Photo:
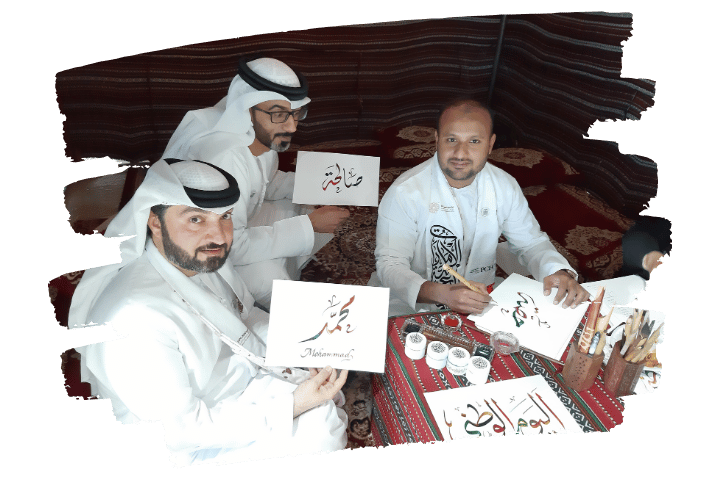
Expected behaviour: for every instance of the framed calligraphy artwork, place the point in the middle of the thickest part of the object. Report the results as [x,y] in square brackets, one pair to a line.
[323,178]
[524,311]
[318,324]
[522,406]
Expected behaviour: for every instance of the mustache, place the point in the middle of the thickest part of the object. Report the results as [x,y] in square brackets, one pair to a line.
[286,135]
[213,246]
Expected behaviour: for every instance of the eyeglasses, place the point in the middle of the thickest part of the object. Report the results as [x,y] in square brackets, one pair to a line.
[281,116]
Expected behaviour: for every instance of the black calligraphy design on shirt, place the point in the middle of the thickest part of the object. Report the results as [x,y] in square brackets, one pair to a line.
[444,248]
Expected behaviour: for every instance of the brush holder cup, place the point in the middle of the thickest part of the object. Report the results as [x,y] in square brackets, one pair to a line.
[621,376]
[580,369]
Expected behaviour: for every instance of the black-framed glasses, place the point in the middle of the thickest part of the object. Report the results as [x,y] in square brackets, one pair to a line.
[281,116]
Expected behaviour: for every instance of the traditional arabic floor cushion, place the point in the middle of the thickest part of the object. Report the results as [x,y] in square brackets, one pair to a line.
[91,201]
[584,229]
[401,413]
[406,146]
[534,167]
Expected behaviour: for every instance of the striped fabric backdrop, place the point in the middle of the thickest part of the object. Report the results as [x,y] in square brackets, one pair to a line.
[557,74]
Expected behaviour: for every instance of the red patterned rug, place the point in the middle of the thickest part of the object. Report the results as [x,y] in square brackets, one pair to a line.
[401,413]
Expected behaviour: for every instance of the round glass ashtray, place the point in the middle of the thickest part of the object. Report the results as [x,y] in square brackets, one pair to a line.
[504,343]
[451,321]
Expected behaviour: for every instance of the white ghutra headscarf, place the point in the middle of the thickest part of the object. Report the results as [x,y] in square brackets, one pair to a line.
[191,183]
[271,80]
[165,184]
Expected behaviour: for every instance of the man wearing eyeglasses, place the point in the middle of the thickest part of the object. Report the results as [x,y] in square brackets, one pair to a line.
[242,134]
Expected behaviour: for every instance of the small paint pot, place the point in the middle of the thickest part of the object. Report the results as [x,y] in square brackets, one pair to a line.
[436,355]
[415,344]
[478,370]
[457,361]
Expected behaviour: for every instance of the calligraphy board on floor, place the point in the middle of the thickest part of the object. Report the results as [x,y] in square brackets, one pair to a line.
[318,324]
[524,311]
[522,406]
[323,178]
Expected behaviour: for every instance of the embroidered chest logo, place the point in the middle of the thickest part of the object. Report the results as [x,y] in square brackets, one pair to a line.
[434,207]
[444,248]
[237,304]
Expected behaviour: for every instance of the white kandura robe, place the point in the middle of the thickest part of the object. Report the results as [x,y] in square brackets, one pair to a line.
[420,199]
[271,240]
[170,367]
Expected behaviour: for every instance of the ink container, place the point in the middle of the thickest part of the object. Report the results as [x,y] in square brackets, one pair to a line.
[478,370]
[457,360]
[415,344]
[436,355]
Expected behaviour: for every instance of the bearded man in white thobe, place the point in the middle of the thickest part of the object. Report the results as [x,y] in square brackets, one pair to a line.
[189,350]
[242,134]
[451,210]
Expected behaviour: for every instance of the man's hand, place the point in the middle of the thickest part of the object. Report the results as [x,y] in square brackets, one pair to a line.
[318,389]
[458,297]
[326,219]
[566,285]
[652,260]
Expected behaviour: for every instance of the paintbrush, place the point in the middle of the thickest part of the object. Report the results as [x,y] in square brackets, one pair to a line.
[590,322]
[631,329]
[469,285]
[649,344]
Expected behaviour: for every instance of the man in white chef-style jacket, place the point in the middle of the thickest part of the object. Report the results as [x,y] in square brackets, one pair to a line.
[189,350]
[451,210]
[242,134]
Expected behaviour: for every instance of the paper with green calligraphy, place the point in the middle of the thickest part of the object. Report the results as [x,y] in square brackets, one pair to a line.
[522,406]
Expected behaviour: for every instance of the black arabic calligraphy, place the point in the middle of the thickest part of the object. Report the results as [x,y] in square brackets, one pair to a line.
[334,177]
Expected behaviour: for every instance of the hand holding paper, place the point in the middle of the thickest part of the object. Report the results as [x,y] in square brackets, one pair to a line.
[326,219]
[323,386]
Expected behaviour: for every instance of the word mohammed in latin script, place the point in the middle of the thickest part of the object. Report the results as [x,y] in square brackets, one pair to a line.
[311,352]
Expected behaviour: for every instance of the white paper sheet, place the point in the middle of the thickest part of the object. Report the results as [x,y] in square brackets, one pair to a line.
[323,178]
[525,312]
[318,324]
[523,406]
[618,291]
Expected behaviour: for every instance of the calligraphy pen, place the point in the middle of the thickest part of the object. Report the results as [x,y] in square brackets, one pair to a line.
[452,272]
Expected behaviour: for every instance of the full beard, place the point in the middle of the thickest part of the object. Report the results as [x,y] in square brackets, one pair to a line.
[182,259]
[460,176]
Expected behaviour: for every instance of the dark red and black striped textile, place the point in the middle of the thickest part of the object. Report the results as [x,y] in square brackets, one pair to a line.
[556,75]
[401,413]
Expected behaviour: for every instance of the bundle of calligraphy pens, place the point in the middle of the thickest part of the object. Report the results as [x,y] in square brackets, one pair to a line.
[629,354]
[637,341]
